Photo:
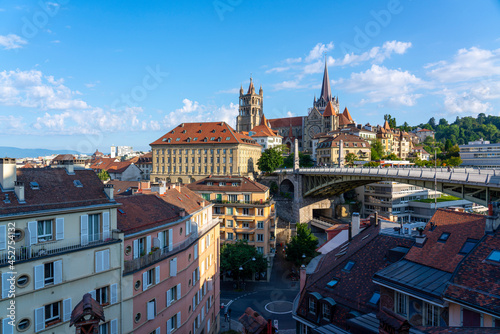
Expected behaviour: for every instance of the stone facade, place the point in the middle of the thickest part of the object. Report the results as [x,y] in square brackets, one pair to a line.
[250,109]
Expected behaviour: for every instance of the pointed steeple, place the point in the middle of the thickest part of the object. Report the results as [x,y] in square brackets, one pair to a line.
[387,126]
[251,88]
[347,114]
[330,110]
[241,90]
[261,91]
[326,92]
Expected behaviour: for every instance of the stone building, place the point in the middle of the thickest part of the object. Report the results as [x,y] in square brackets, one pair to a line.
[250,109]
[328,149]
[193,151]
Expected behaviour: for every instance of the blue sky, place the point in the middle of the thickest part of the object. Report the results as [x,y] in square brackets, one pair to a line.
[88,74]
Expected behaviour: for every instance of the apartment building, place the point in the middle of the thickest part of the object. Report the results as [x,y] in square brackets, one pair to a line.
[396,141]
[264,136]
[245,209]
[480,153]
[192,151]
[329,149]
[171,262]
[63,223]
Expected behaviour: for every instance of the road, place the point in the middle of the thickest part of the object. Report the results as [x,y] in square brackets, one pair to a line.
[273,299]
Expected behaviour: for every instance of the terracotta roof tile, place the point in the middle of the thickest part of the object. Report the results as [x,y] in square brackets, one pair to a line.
[244,184]
[329,111]
[285,122]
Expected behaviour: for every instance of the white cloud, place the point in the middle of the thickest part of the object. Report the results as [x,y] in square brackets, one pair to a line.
[377,54]
[293,60]
[318,50]
[467,64]
[290,84]
[395,87]
[12,41]
[464,103]
[189,106]
[277,70]
[229,91]
[11,123]
[290,114]
[56,41]
[33,89]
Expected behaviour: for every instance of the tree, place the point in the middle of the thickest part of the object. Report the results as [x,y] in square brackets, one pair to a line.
[448,145]
[304,243]
[305,160]
[390,120]
[432,122]
[372,164]
[240,254]
[453,161]
[391,156]
[103,175]
[270,159]
[350,158]
[377,150]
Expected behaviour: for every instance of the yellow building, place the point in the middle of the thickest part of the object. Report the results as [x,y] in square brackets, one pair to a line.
[328,148]
[61,223]
[192,151]
[245,210]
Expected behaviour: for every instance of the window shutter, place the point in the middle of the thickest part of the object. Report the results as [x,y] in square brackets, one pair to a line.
[114,293]
[179,294]
[194,302]
[170,240]
[105,258]
[173,267]
[151,310]
[98,262]
[178,320]
[169,297]
[202,268]
[208,326]
[161,238]
[39,319]
[32,229]
[195,251]
[93,293]
[158,331]
[113,324]
[202,245]
[157,274]
[39,277]
[136,249]
[67,309]
[208,240]
[3,237]
[148,244]
[58,272]
[169,326]
[144,281]
[105,226]
[5,285]
[202,313]
[6,327]
[59,228]
[84,229]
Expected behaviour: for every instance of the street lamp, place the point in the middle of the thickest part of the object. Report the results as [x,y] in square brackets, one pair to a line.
[241,266]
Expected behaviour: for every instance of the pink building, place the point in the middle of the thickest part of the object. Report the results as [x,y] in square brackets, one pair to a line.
[170,271]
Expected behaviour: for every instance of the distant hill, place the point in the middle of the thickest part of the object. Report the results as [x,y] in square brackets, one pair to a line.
[14,152]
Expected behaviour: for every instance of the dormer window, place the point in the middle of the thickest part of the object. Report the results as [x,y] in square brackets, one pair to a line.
[468,246]
[213,131]
[164,139]
[169,140]
[177,139]
[444,237]
[183,131]
[222,184]
[312,305]
[228,138]
[195,138]
[326,311]
[34,185]
[77,183]
[209,183]
[212,138]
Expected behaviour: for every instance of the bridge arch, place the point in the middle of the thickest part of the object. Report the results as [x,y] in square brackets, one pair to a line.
[287,187]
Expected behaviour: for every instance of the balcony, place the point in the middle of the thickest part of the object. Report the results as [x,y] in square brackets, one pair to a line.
[160,254]
[242,202]
[51,248]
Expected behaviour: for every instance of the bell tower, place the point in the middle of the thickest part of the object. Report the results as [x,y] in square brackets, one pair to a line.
[250,108]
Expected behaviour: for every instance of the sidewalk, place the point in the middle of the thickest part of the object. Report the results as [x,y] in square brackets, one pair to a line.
[234,324]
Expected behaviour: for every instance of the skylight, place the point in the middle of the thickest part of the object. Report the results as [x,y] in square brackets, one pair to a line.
[77,183]
[444,237]
[494,256]
[121,211]
[34,185]
[332,283]
[228,138]
[468,245]
[375,298]
[349,265]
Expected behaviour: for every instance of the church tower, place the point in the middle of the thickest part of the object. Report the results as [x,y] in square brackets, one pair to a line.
[326,94]
[250,109]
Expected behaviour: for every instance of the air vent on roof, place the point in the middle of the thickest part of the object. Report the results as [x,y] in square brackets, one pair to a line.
[34,185]
[183,131]
[77,183]
[228,138]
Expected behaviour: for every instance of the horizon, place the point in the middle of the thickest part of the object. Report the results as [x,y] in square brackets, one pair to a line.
[84,76]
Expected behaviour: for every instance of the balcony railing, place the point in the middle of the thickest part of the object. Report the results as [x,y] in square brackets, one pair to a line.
[157,255]
[53,247]
[263,202]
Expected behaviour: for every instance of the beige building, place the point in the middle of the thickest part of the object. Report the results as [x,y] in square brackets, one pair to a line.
[328,149]
[265,136]
[63,223]
[395,141]
[245,210]
[192,151]
[250,110]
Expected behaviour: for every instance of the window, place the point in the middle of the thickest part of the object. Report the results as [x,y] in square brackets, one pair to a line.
[260,250]
[431,315]
[52,313]
[332,283]
[44,230]
[468,245]
[149,277]
[230,236]
[247,198]
[93,227]
[229,223]
[260,237]
[174,322]
[260,212]
[206,196]
[245,212]
[471,318]
[151,308]
[245,237]
[260,225]
[349,266]
[375,298]
[48,273]
[104,328]
[245,225]
[312,305]
[444,237]
[101,295]
[23,324]
[494,256]
[401,304]
[326,311]
[232,198]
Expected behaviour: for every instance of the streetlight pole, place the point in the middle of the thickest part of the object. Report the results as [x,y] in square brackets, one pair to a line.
[241,266]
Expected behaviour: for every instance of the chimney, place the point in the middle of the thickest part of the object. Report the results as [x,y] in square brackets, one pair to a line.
[374,219]
[70,169]
[492,220]
[7,173]
[355,222]
[19,190]
[182,212]
[303,277]
[109,191]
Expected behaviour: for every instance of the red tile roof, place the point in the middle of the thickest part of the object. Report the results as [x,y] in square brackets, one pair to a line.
[124,187]
[329,111]
[111,165]
[244,184]
[445,255]
[204,133]
[347,114]
[263,130]
[285,122]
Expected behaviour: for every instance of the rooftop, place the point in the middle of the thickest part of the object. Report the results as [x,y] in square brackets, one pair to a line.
[236,184]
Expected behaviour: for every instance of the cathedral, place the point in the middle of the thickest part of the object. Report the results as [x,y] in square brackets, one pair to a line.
[323,117]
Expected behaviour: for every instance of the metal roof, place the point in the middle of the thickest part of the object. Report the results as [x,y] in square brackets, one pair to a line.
[423,281]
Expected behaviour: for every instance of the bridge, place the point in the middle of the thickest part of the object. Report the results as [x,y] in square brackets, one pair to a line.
[313,186]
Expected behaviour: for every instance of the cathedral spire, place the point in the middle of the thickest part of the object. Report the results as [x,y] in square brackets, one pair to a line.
[326,92]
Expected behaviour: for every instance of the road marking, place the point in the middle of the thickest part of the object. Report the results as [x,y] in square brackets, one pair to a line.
[228,304]
[281,301]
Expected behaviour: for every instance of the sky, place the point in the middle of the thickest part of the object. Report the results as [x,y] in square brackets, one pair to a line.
[85,75]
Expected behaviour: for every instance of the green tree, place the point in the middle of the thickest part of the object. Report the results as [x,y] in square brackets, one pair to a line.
[377,150]
[103,175]
[372,164]
[453,161]
[448,145]
[305,160]
[350,158]
[304,243]
[390,120]
[270,159]
[432,122]
[391,156]
[239,255]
